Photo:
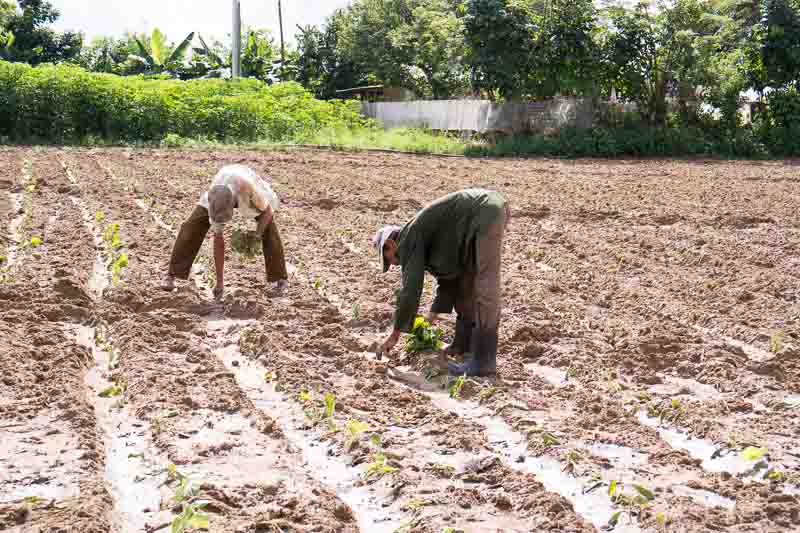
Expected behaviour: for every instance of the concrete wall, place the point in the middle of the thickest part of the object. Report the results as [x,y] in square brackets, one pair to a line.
[483,115]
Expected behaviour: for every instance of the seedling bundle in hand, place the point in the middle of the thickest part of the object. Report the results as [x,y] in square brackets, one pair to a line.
[423,337]
[245,241]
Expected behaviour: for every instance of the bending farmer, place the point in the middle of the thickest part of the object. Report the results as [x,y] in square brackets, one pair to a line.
[459,240]
[235,186]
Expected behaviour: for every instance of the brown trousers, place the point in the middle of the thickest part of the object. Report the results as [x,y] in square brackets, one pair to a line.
[481,296]
[193,232]
[477,293]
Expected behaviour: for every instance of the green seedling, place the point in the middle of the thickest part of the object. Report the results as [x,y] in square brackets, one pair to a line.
[36,241]
[443,471]
[661,519]
[191,517]
[356,311]
[116,267]
[305,396]
[416,504]
[752,453]
[423,337]
[378,468]
[245,242]
[111,236]
[317,284]
[113,360]
[353,430]
[330,405]
[269,377]
[776,342]
[455,387]
[487,392]
[548,439]
[99,216]
[114,390]
[573,459]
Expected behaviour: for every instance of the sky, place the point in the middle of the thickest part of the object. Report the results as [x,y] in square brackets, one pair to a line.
[177,18]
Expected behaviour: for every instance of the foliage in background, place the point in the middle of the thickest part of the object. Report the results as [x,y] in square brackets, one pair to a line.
[156,55]
[33,41]
[68,104]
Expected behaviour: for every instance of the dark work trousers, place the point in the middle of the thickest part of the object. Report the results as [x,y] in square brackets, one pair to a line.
[193,232]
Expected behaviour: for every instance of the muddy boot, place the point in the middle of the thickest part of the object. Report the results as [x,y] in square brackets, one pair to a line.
[461,341]
[484,355]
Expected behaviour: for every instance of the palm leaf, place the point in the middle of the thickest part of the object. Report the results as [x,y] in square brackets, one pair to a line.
[180,51]
[209,53]
[145,54]
[159,45]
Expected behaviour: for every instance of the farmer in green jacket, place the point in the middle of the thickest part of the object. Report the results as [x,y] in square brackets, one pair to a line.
[459,240]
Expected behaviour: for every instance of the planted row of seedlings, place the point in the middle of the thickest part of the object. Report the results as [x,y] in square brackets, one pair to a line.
[309,397]
[607,412]
[207,458]
[52,451]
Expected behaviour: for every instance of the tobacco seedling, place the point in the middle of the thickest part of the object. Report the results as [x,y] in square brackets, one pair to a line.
[378,468]
[353,429]
[423,337]
[751,453]
[455,387]
[114,390]
[443,471]
[99,216]
[356,311]
[36,241]
[776,342]
[548,439]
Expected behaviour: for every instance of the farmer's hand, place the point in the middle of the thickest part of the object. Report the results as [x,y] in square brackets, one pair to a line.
[389,343]
[219,291]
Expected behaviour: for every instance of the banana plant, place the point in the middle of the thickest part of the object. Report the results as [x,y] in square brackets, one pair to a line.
[160,57]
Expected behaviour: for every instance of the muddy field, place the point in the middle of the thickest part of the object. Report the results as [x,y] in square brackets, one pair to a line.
[649,366]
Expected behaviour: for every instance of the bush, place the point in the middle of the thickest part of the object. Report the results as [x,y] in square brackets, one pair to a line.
[64,103]
[779,129]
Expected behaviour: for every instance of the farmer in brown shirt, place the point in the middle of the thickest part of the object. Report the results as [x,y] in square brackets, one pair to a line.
[234,187]
[459,240]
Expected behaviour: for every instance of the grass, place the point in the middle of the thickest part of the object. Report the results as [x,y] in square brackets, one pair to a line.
[402,139]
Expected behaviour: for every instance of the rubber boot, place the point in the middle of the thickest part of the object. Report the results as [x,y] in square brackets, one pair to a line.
[461,342]
[484,355]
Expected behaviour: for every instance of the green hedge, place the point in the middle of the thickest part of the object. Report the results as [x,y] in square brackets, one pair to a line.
[64,103]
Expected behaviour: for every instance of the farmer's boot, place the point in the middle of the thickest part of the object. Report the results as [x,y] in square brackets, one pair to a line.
[484,355]
[461,341]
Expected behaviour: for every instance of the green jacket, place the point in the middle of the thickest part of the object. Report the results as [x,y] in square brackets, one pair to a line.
[441,240]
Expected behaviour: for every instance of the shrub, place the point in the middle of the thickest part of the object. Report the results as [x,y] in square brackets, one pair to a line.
[64,103]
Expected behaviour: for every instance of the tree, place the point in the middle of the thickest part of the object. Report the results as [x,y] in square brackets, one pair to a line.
[323,65]
[33,42]
[778,33]
[566,56]
[157,55]
[654,53]
[501,36]
[432,40]
[6,12]
[258,54]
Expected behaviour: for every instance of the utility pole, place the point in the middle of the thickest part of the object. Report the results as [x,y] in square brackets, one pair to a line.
[236,63]
[283,52]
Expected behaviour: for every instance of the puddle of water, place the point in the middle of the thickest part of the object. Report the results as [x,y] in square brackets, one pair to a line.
[753,353]
[511,446]
[673,386]
[704,497]
[554,376]
[132,467]
[699,449]
[40,457]
[366,501]
[100,279]
[621,456]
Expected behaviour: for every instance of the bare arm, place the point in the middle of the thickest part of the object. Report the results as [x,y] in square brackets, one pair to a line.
[219,258]
[264,220]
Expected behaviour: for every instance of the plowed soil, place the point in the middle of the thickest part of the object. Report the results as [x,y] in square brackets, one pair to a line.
[648,371]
